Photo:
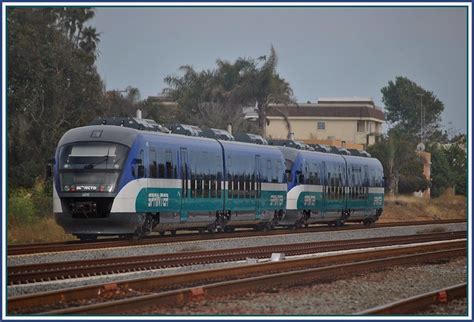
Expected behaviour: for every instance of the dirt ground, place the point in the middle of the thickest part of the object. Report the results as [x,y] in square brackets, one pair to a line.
[411,208]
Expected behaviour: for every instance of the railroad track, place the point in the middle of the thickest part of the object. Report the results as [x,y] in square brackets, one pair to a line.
[72,269]
[420,302]
[24,249]
[139,295]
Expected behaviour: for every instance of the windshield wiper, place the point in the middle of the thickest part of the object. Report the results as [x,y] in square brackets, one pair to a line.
[93,164]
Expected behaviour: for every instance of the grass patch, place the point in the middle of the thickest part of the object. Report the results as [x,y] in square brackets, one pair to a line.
[30,216]
[41,231]
[410,208]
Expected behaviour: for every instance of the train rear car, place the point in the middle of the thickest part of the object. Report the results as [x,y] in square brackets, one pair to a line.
[316,184]
[365,189]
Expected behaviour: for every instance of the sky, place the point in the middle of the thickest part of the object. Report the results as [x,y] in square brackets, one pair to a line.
[322,52]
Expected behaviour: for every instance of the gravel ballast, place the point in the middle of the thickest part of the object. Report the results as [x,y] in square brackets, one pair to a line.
[215,244]
[342,297]
[16,290]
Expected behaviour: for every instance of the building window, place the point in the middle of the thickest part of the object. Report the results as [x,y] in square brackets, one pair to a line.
[360,126]
[321,125]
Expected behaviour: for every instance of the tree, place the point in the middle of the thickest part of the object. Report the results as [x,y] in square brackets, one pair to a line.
[448,166]
[213,98]
[264,86]
[403,168]
[441,173]
[403,99]
[53,85]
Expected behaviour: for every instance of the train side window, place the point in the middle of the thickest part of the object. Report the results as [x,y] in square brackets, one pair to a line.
[168,164]
[235,193]
[252,186]
[279,169]
[153,165]
[198,186]
[249,185]
[230,185]
[269,171]
[219,188]
[241,186]
[205,191]
[161,163]
[212,186]
[193,185]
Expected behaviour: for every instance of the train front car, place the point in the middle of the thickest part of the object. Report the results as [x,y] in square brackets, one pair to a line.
[91,166]
[365,190]
[316,184]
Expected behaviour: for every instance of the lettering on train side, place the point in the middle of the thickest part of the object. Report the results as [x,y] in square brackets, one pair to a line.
[377,201]
[309,200]
[158,199]
[276,200]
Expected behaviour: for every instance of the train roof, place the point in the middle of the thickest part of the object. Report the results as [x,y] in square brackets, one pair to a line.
[247,147]
[352,159]
[126,136]
[292,154]
[100,133]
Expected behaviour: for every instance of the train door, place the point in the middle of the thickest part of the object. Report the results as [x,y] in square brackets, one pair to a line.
[324,184]
[258,185]
[151,169]
[184,183]
[346,185]
[366,187]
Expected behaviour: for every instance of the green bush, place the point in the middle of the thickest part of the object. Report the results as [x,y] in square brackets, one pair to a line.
[42,198]
[410,184]
[26,206]
[21,209]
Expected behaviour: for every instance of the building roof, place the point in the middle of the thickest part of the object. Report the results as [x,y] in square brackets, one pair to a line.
[354,99]
[328,110]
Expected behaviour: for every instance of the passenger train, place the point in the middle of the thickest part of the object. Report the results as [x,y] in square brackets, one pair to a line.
[113,180]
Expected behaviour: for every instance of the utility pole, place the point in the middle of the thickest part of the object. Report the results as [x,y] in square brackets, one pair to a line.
[422,117]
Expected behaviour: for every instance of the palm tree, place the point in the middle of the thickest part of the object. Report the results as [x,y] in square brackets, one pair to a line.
[89,39]
[218,96]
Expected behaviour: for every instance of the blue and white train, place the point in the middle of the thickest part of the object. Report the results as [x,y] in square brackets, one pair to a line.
[112,180]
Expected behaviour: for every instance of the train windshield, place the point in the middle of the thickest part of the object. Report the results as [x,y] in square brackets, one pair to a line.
[92,155]
[91,166]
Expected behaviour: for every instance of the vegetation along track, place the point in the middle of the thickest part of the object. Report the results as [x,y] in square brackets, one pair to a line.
[24,249]
[71,269]
[419,302]
[136,295]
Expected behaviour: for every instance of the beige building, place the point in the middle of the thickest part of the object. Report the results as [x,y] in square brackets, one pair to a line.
[346,122]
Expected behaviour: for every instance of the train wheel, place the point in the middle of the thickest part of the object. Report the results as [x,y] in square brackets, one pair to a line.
[162,233]
[368,222]
[267,227]
[201,231]
[173,233]
[87,237]
[229,229]
[211,228]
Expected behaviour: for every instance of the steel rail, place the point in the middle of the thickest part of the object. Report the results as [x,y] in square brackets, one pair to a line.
[51,300]
[24,249]
[71,269]
[259,283]
[419,302]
